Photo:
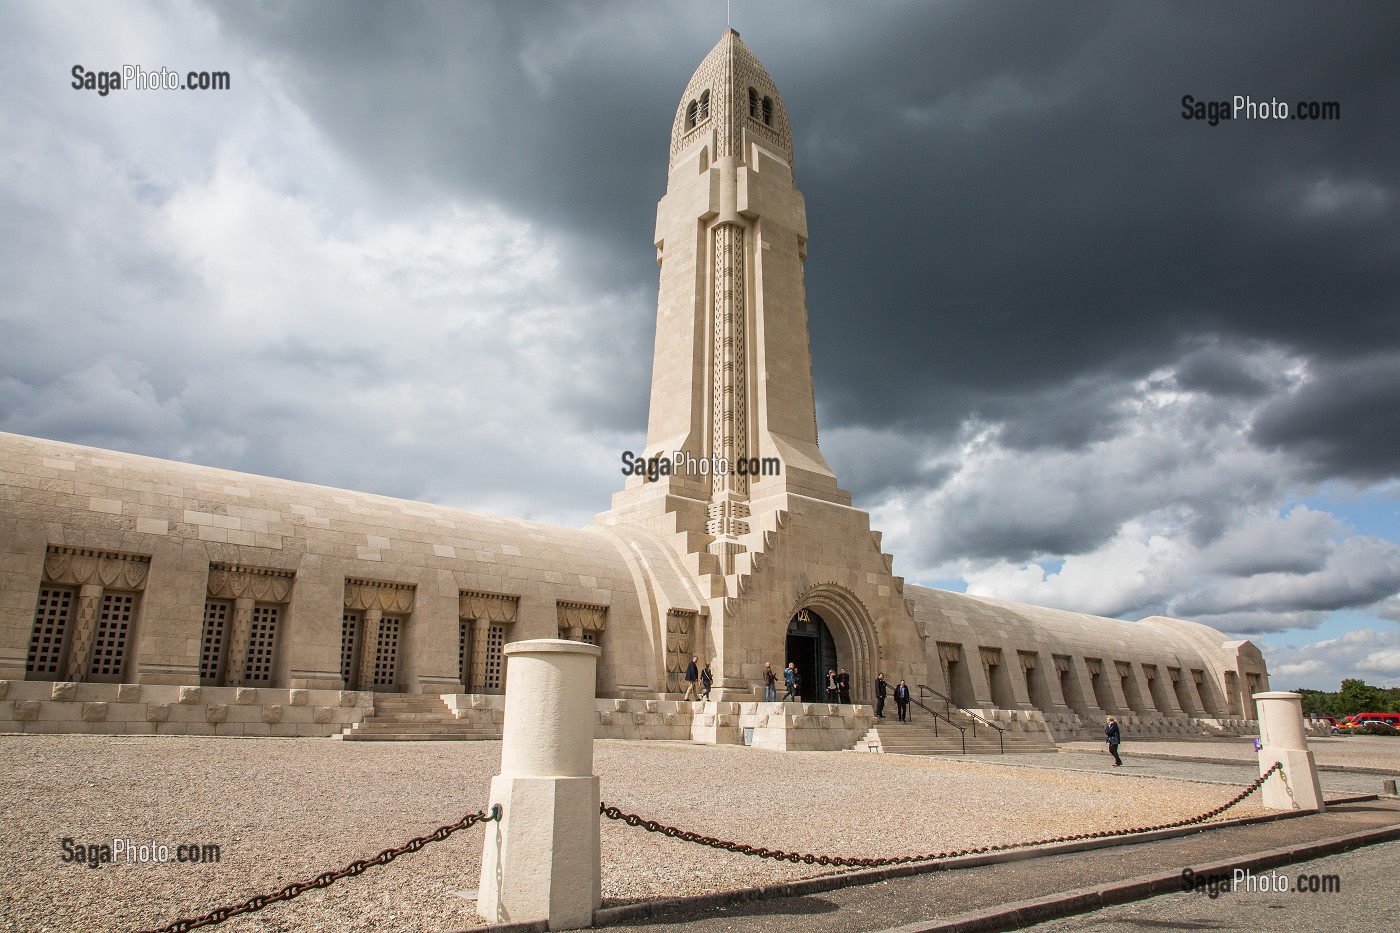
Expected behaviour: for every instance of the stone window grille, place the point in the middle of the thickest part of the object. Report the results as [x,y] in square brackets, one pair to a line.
[109,641]
[374,627]
[767,111]
[350,625]
[483,620]
[495,667]
[753,103]
[690,114]
[703,112]
[211,654]
[50,627]
[262,638]
[464,642]
[243,611]
[386,652]
[86,613]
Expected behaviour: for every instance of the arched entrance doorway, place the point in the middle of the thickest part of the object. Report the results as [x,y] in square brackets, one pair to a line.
[811,647]
[835,613]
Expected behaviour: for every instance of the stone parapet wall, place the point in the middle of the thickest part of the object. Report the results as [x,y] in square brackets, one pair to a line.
[1067,727]
[145,709]
[779,726]
[806,727]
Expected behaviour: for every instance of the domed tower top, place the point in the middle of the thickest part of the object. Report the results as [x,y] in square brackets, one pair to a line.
[730,93]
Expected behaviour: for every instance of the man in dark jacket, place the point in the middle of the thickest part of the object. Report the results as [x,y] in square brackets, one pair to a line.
[901,701]
[881,688]
[692,674]
[843,686]
[791,680]
[1114,735]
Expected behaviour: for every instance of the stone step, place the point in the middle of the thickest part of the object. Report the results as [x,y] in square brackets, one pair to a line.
[409,702]
[919,738]
[417,737]
[446,725]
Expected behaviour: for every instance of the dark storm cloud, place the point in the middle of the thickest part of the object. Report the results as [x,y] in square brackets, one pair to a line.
[1345,421]
[996,213]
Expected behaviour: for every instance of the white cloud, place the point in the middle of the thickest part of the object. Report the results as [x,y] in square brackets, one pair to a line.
[238,300]
[1322,665]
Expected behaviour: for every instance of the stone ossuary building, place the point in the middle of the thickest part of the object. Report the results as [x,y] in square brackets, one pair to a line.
[139,595]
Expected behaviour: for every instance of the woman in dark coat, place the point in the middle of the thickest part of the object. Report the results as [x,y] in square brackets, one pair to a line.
[1114,735]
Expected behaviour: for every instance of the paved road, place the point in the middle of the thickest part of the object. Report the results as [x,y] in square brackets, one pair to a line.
[1333,782]
[1366,903]
[945,894]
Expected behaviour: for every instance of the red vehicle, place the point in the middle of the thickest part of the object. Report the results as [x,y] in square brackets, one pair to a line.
[1365,719]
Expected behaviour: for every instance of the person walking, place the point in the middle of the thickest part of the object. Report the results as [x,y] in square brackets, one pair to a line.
[692,675]
[901,700]
[707,680]
[770,683]
[831,687]
[1114,735]
[881,688]
[843,686]
[791,680]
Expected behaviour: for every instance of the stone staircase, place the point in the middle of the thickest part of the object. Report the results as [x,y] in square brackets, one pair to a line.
[919,737]
[418,718]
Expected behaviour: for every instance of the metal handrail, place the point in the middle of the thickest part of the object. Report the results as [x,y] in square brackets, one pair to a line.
[949,704]
[962,732]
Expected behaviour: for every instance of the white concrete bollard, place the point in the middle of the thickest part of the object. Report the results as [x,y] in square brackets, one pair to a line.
[541,861]
[1281,735]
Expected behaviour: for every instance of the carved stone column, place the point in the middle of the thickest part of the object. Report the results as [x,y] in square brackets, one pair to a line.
[84,631]
[237,650]
[370,647]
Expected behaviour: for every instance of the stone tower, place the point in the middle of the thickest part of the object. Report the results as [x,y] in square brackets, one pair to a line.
[732,374]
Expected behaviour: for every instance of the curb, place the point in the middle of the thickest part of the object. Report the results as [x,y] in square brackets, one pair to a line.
[647,910]
[1021,914]
[1336,769]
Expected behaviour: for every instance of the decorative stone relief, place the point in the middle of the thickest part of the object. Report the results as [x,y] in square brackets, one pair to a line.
[728,72]
[728,377]
[395,598]
[583,616]
[263,584]
[491,607]
[78,566]
[680,627]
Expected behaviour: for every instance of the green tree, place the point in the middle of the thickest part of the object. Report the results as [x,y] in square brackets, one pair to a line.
[1357,696]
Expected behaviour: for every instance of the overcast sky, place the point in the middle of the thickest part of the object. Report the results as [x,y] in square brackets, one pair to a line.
[1070,348]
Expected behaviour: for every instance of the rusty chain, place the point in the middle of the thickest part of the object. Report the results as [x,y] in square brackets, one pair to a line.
[359,866]
[325,879]
[840,861]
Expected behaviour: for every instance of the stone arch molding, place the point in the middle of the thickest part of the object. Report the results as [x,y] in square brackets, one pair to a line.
[851,627]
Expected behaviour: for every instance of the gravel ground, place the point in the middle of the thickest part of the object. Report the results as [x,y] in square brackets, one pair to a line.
[283,810]
[1355,751]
